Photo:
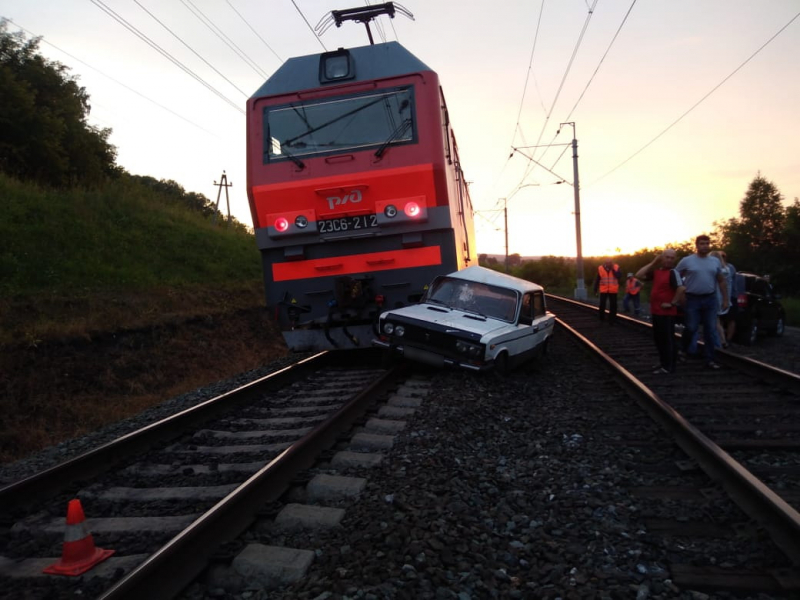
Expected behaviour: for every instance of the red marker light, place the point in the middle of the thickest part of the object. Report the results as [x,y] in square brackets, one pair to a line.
[281,224]
[412,209]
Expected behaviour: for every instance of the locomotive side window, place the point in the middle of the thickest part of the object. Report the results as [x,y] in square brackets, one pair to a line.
[339,124]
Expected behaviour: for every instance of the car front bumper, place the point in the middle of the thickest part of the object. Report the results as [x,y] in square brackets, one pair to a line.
[428,357]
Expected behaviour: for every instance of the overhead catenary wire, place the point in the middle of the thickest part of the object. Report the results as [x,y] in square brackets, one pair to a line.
[311,29]
[200,16]
[532,164]
[600,63]
[122,21]
[568,69]
[246,22]
[527,77]
[586,87]
[127,87]
[699,102]
[192,50]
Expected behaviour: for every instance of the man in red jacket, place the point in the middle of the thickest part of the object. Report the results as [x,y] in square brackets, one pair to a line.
[666,295]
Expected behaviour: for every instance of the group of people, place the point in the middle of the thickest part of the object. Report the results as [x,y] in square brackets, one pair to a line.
[701,287]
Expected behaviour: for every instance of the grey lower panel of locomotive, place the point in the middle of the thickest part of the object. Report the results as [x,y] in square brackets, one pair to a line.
[310,340]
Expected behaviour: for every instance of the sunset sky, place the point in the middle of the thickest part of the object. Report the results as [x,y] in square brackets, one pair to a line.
[676,110]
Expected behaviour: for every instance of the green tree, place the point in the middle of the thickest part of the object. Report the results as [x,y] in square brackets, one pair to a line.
[756,240]
[787,272]
[44,136]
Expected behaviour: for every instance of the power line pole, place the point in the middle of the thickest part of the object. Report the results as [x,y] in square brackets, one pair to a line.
[223,182]
[580,289]
[505,220]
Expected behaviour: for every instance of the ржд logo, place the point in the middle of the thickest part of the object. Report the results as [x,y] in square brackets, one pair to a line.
[353,197]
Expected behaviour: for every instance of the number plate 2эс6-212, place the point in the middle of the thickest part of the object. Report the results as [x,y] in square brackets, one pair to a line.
[347,223]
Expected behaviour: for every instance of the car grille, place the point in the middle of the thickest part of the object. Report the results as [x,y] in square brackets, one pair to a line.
[432,339]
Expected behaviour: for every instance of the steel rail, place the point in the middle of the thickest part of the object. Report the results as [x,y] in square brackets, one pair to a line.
[89,464]
[165,573]
[779,377]
[781,521]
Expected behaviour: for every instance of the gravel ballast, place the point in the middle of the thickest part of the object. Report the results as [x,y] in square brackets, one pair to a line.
[520,487]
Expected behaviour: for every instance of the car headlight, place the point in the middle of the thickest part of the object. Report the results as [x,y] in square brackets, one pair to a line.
[469,349]
[388,328]
[399,331]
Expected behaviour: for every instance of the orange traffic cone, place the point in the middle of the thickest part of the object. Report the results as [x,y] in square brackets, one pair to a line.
[78,554]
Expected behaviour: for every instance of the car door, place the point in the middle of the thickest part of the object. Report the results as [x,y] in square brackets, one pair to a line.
[767,305]
[533,318]
[542,322]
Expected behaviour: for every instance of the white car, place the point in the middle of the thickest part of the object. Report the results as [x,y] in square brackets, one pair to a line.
[475,319]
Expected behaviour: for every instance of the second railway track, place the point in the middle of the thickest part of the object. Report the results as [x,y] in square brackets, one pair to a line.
[548,483]
[168,496]
[739,422]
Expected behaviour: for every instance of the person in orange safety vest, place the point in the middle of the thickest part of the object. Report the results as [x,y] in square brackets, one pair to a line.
[607,285]
[632,288]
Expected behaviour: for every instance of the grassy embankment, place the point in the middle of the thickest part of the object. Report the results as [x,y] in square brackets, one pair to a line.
[113,300]
[77,262]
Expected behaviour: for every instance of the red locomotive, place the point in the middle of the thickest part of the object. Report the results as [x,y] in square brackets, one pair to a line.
[356,191]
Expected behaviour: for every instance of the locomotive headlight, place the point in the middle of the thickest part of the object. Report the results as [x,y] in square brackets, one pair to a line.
[336,65]
[399,331]
[301,221]
[388,328]
[390,211]
[281,224]
[412,209]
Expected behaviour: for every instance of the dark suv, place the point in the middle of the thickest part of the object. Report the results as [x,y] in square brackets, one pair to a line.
[758,308]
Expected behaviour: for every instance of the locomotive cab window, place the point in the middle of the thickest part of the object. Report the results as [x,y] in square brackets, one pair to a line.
[335,125]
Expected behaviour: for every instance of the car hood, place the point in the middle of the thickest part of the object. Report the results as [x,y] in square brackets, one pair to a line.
[452,318]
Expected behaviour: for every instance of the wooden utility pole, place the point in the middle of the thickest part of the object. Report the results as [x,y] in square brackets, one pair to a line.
[223,182]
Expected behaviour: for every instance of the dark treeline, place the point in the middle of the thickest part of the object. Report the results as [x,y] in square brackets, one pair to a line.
[45,137]
[764,239]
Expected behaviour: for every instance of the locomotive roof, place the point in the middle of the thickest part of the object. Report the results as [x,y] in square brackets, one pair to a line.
[491,277]
[370,62]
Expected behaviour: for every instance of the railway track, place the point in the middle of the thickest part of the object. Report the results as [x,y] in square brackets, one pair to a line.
[166,498]
[191,473]
[739,423]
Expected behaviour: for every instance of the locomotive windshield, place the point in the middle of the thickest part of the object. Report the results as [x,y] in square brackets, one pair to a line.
[338,124]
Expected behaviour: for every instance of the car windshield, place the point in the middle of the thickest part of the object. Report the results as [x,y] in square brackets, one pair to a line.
[471,296]
[338,124]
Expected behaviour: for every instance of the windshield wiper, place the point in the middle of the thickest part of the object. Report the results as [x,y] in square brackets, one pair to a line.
[300,164]
[290,141]
[401,129]
[437,301]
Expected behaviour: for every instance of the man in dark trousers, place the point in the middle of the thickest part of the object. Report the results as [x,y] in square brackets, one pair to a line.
[607,285]
[701,273]
[666,295]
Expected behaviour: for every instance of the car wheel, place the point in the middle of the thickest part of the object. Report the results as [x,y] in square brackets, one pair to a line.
[778,329]
[501,364]
[388,359]
[751,333]
[544,347]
